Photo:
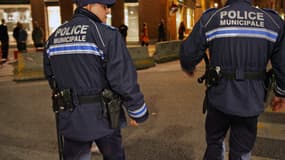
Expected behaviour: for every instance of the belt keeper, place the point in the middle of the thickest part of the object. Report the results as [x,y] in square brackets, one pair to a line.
[240,75]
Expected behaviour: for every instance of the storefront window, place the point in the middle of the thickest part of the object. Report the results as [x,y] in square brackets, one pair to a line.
[132,21]
[54,18]
[109,19]
[16,13]
[190,18]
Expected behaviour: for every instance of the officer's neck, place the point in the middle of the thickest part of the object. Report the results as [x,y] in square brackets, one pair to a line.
[87,13]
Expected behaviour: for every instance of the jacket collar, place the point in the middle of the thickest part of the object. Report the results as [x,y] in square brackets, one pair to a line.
[85,12]
[233,1]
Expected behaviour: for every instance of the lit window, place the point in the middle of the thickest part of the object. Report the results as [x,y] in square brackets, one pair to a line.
[54,18]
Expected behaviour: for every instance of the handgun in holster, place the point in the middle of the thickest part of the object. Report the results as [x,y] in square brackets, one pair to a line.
[270,85]
[112,103]
[62,100]
[211,77]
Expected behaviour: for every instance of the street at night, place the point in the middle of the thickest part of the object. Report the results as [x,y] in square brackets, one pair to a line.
[174,131]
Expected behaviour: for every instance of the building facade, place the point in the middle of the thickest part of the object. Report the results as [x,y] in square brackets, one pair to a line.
[51,13]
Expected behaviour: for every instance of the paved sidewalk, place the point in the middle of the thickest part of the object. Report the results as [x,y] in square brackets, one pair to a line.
[6,69]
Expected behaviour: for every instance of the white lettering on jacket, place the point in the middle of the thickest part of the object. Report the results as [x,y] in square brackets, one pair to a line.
[242,18]
[71,34]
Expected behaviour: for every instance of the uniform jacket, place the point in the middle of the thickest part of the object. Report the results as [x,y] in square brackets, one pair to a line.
[88,56]
[240,38]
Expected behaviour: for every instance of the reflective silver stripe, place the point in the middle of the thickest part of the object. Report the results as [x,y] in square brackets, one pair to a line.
[139,112]
[99,33]
[75,48]
[225,32]
[215,14]
[280,91]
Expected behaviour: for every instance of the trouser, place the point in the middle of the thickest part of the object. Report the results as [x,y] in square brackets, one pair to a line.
[242,137]
[4,48]
[22,46]
[110,146]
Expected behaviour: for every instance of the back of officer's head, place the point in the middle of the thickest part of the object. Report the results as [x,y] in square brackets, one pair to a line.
[230,1]
[82,3]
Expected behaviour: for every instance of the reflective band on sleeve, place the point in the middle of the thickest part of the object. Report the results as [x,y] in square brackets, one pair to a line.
[139,112]
[226,32]
[280,91]
[75,48]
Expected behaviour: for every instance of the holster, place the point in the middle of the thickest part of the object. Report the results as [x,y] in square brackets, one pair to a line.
[62,100]
[270,85]
[211,77]
[112,103]
[205,103]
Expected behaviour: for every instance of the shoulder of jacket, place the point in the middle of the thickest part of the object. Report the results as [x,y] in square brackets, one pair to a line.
[270,11]
[208,15]
[210,10]
[110,27]
[273,15]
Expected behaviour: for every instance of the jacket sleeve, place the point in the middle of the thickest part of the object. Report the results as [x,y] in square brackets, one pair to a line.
[193,48]
[122,77]
[47,67]
[278,63]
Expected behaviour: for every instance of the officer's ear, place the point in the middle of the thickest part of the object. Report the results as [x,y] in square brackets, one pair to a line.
[88,7]
[91,7]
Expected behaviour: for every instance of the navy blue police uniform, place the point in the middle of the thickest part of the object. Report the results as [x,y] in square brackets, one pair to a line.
[87,56]
[241,40]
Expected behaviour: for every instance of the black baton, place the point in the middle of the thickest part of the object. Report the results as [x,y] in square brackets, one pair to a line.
[59,138]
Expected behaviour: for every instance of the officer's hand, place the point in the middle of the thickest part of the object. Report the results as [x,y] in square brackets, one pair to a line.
[278,103]
[133,123]
[141,119]
[189,73]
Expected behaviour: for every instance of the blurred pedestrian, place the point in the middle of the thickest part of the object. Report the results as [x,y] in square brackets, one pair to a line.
[4,38]
[22,39]
[21,36]
[161,31]
[16,33]
[124,31]
[181,31]
[37,35]
[145,38]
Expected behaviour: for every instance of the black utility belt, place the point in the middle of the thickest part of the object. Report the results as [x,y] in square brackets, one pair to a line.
[243,75]
[90,99]
[63,100]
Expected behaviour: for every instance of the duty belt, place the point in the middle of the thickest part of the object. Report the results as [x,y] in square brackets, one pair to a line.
[243,75]
[90,99]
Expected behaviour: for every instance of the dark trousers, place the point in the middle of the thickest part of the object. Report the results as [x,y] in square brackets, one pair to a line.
[110,146]
[22,46]
[242,137]
[4,48]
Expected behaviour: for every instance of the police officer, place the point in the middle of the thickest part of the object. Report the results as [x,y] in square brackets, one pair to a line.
[241,40]
[87,56]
